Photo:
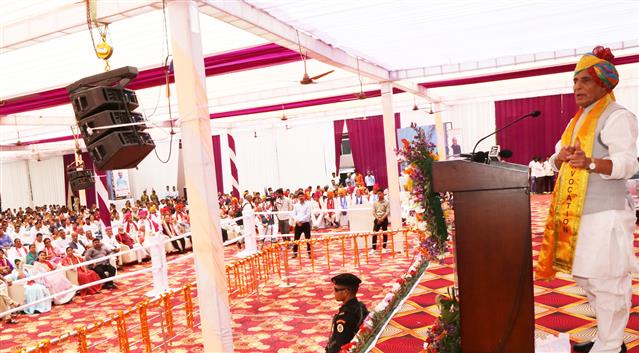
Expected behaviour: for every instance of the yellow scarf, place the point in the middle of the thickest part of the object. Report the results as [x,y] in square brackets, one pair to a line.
[564,215]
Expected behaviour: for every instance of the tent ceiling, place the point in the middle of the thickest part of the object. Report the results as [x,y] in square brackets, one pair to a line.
[407,38]
[409,34]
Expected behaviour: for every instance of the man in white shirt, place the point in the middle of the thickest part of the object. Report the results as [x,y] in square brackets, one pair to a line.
[536,175]
[283,204]
[302,217]
[369,180]
[591,223]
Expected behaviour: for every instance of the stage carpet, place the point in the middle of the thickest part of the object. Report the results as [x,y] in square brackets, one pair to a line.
[560,305]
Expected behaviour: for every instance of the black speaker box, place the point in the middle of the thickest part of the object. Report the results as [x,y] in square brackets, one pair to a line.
[121,149]
[80,179]
[108,118]
[92,100]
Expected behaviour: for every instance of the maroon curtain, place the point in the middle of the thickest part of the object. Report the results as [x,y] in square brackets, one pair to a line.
[88,164]
[533,136]
[217,156]
[338,128]
[367,146]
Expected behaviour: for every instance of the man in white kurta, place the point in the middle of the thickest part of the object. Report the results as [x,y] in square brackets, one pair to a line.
[604,259]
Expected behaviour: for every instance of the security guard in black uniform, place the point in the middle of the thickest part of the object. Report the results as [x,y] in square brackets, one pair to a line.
[351,314]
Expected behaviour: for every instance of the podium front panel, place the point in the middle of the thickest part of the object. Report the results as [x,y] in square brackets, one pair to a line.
[494,267]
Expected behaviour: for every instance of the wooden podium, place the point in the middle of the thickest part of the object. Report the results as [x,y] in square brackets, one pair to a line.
[493,254]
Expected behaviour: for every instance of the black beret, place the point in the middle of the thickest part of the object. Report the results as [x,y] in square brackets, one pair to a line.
[346,279]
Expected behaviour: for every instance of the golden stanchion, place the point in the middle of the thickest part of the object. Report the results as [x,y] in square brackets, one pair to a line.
[228,279]
[188,305]
[278,258]
[380,246]
[257,264]
[243,276]
[312,255]
[82,339]
[366,246]
[236,275]
[392,239]
[406,242]
[343,256]
[251,266]
[144,325]
[356,251]
[43,346]
[123,338]
[286,257]
[328,256]
[168,313]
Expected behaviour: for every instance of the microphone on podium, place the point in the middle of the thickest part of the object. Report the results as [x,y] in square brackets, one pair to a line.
[481,156]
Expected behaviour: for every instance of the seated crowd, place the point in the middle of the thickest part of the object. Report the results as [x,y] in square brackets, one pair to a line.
[51,237]
[329,206]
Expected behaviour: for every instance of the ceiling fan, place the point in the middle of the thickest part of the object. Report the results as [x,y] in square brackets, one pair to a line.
[430,109]
[306,79]
[360,95]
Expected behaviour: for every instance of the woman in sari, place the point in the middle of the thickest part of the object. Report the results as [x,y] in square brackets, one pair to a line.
[52,253]
[5,264]
[55,283]
[33,290]
[84,274]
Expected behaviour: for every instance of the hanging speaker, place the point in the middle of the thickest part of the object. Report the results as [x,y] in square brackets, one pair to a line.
[80,179]
[101,104]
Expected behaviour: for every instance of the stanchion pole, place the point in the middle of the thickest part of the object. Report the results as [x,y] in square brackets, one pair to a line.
[366,246]
[343,256]
[328,255]
[392,239]
[406,242]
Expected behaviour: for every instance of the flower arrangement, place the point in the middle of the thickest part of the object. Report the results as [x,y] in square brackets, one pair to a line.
[429,221]
[443,336]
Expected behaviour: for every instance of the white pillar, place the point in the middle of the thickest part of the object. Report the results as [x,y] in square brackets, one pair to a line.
[199,172]
[441,136]
[390,144]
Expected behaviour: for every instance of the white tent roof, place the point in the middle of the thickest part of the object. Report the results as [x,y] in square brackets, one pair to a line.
[421,41]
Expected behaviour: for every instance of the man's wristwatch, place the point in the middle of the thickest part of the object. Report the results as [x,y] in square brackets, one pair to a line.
[592,165]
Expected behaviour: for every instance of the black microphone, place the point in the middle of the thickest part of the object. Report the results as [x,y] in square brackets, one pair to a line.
[534,114]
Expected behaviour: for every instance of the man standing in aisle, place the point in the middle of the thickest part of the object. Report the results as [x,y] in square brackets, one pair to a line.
[302,217]
[283,204]
[381,210]
[589,231]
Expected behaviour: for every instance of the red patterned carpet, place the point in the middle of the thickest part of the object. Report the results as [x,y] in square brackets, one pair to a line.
[278,318]
[560,305]
[287,319]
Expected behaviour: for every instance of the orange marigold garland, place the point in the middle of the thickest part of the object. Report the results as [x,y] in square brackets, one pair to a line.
[168,312]
[188,305]
[82,339]
[144,325]
[123,338]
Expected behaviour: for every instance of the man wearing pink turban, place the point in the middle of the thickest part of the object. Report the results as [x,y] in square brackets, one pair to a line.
[591,219]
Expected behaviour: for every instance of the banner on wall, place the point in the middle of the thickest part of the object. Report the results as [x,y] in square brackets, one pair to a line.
[120,187]
[409,133]
[454,142]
